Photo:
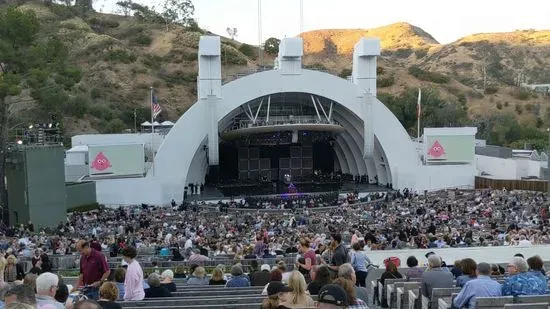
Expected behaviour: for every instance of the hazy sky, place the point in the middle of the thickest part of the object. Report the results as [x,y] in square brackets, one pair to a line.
[445,20]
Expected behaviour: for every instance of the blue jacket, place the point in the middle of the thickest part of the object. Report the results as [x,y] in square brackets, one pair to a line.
[523,284]
[238,282]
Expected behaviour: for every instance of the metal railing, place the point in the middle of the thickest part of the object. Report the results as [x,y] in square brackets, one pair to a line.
[279,120]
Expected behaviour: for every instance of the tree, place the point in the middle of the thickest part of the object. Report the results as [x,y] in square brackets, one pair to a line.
[84,5]
[29,61]
[178,11]
[125,7]
[271,46]
[232,32]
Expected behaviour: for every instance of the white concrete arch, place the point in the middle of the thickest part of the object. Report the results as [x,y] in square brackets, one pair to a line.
[174,155]
[372,131]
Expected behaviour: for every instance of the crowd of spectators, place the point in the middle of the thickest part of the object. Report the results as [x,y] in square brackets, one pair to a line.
[332,247]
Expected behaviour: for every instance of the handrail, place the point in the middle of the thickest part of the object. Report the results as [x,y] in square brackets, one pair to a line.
[279,120]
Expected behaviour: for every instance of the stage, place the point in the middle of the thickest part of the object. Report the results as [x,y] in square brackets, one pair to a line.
[211,193]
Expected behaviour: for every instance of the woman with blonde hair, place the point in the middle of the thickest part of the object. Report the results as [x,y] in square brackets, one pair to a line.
[13,271]
[217,277]
[351,293]
[298,298]
[3,263]
[199,277]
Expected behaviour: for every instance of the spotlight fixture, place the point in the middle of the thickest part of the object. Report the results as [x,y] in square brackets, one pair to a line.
[19,142]
[31,126]
[49,125]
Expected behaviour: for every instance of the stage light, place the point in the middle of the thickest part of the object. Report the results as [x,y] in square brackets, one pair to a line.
[19,142]
[31,126]
[49,125]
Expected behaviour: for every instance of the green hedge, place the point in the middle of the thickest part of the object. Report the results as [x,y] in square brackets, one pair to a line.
[84,208]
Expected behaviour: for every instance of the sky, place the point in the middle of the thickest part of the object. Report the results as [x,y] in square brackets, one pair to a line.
[445,20]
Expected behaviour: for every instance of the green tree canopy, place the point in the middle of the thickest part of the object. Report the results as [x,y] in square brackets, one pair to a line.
[271,46]
[34,61]
[436,112]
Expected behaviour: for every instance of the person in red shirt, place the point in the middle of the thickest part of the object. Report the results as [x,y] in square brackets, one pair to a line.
[94,269]
[308,259]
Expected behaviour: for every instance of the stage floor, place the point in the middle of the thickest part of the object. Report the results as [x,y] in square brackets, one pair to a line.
[212,193]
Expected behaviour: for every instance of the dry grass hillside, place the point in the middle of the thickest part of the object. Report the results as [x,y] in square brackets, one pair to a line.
[481,70]
[121,58]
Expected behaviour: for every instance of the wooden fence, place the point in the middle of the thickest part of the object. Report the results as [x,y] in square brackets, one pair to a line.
[512,184]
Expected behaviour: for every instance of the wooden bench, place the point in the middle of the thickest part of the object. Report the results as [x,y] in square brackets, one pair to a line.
[383,289]
[175,301]
[402,292]
[437,293]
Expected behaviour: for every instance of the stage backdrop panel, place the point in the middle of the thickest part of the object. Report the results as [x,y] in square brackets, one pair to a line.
[116,160]
[450,148]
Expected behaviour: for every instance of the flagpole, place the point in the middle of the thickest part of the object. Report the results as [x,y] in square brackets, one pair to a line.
[152,133]
[419,112]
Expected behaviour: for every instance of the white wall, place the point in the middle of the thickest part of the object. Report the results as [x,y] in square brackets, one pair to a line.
[437,177]
[118,139]
[511,168]
[449,255]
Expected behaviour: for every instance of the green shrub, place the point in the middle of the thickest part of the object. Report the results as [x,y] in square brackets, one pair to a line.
[248,50]
[506,103]
[114,126]
[491,90]
[386,82]
[229,55]
[528,107]
[345,73]
[499,105]
[77,106]
[519,109]
[101,112]
[420,53]
[403,53]
[95,93]
[141,40]
[380,70]
[152,61]
[178,77]
[316,66]
[63,11]
[84,208]
[539,123]
[434,77]
[120,55]
[521,94]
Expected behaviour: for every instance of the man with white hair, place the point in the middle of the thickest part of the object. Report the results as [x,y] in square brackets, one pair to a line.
[435,277]
[46,287]
[520,281]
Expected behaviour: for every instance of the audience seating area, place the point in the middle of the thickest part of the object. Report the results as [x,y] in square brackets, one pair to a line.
[191,297]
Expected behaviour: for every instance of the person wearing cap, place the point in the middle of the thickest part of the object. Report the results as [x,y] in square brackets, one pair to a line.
[277,293]
[332,296]
[260,278]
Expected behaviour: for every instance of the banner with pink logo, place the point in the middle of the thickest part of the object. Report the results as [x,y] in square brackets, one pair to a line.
[451,148]
[116,160]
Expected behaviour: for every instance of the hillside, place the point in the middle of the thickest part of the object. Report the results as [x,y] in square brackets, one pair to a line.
[122,57]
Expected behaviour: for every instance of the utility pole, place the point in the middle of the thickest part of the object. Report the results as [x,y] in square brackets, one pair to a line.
[135,121]
[301,16]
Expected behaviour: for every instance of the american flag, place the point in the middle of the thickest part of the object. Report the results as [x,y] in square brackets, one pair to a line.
[155,107]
